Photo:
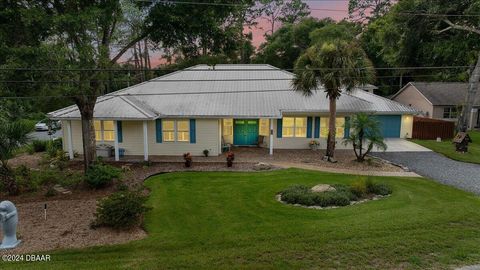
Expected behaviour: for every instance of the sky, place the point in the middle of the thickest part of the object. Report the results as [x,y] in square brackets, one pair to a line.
[259,31]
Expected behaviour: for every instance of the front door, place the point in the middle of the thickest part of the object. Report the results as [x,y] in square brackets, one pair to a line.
[245,132]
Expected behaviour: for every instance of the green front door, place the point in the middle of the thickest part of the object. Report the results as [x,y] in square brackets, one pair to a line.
[245,132]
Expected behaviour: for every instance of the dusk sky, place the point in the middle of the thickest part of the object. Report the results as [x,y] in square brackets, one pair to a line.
[259,30]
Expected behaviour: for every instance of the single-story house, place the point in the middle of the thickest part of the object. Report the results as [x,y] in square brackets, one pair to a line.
[439,100]
[203,107]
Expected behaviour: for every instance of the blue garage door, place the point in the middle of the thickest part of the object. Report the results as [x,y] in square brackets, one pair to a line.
[390,125]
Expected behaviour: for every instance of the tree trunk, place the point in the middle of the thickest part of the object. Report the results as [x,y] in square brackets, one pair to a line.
[88,133]
[332,128]
[360,137]
[464,118]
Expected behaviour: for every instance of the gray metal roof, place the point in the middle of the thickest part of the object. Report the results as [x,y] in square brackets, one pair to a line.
[383,105]
[249,91]
[443,93]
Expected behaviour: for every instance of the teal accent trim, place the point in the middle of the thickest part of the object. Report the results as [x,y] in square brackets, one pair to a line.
[390,125]
[245,132]
[347,127]
[309,127]
[279,128]
[316,133]
[119,131]
[158,130]
[193,132]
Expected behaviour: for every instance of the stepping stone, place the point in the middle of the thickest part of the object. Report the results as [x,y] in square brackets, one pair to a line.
[61,189]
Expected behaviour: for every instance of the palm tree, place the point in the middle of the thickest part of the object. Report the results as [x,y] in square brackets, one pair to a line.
[336,65]
[12,136]
[365,130]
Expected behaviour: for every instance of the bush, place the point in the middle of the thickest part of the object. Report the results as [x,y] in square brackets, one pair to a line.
[359,188]
[121,210]
[39,146]
[300,194]
[24,179]
[54,146]
[379,188]
[101,175]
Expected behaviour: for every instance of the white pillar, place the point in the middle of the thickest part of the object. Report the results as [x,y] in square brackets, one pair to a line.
[70,140]
[271,137]
[145,141]
[115,131]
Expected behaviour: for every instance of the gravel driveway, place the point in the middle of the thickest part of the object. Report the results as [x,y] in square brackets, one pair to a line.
[462,175]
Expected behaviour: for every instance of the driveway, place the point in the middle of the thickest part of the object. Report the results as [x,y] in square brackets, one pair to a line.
[43,135]
[402,145]
[462,175]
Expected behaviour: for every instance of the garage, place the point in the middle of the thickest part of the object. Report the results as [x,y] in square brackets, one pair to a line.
[390,125]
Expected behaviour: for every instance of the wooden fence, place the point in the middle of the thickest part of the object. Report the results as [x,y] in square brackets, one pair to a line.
[431,129]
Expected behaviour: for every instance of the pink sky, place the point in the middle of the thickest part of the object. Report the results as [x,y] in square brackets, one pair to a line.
[259,31]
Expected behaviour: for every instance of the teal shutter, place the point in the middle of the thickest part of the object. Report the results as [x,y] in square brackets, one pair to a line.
[347,127]
[317,127]
[279,128]
[119,131]
[193,132]
[309,127]
[158,130]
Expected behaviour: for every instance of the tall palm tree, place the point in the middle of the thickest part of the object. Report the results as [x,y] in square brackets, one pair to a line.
[336,65]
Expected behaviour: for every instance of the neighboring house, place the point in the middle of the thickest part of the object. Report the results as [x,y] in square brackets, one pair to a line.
[440,100]
[203,108]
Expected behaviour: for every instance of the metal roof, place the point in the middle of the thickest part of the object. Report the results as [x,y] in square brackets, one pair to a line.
[248,91]
[443,93]
[383,105]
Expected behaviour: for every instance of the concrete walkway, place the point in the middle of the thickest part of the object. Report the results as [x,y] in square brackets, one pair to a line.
[344,171]
[402,145]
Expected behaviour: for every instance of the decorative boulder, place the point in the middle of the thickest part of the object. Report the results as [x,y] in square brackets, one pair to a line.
[322,188]
[262,166]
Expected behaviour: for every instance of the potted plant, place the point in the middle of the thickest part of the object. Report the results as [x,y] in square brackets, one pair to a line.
[205,152]
[313,145]
[230,158]
[188,160]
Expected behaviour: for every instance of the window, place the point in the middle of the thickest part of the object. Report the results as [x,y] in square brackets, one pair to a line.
[227,127]
[339,124]
[183,133]
[294,127]
[176,130]
[104,130]
[168,130]
[264,129]
[450,112]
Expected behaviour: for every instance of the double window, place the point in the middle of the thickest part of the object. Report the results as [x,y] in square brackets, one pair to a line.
[339,127]
[104,130]
[450,112]
[294,127]
[176,130]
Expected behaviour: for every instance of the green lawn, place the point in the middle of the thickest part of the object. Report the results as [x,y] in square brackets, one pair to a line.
[447,148]
[232,220]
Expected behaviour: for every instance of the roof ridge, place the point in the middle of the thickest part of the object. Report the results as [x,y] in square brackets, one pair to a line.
[132,103]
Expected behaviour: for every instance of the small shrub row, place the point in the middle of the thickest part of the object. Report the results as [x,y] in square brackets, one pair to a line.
[30,180]
[100,175]
[343,194]
[121,210]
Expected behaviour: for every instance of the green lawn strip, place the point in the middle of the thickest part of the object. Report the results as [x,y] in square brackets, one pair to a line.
[447,148]
[232,220]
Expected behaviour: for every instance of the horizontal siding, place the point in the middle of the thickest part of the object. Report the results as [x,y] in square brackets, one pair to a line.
[406,128]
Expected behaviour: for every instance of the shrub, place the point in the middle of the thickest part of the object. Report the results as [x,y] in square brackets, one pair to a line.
[303,195]
[188,159]
[101,175]
[24,179]
[359,188]
[39,146]
[120,210]
[206,152]
[54,146]
[379,188]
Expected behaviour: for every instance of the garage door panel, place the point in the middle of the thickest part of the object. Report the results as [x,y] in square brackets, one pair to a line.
[390,125]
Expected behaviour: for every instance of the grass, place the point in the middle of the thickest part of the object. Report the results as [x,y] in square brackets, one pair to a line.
[232,220]
[447,148]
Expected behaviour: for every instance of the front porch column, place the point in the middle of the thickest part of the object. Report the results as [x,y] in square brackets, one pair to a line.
[145,140]
[70,139]
[115,131]
[271,137]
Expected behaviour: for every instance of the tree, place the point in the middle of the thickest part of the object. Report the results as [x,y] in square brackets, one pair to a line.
[335,65]
[366,10]
[364,130]
[285,11]
[12,136]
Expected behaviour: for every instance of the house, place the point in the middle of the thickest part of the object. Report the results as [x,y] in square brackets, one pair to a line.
[439,100]
[205,108]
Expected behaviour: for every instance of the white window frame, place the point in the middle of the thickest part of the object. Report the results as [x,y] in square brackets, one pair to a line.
[264,127]
[295,127]
[340,128]
[227,129]
[450,112]
[102,131]
[176,131]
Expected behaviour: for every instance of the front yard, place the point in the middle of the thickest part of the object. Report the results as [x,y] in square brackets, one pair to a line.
[232,220]
[447,148]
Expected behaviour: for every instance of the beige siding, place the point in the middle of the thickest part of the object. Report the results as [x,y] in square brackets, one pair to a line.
[207,137]
[406,128]
[411,97]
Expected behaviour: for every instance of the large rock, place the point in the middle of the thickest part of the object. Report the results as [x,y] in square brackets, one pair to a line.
[262,166]
[322,188]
